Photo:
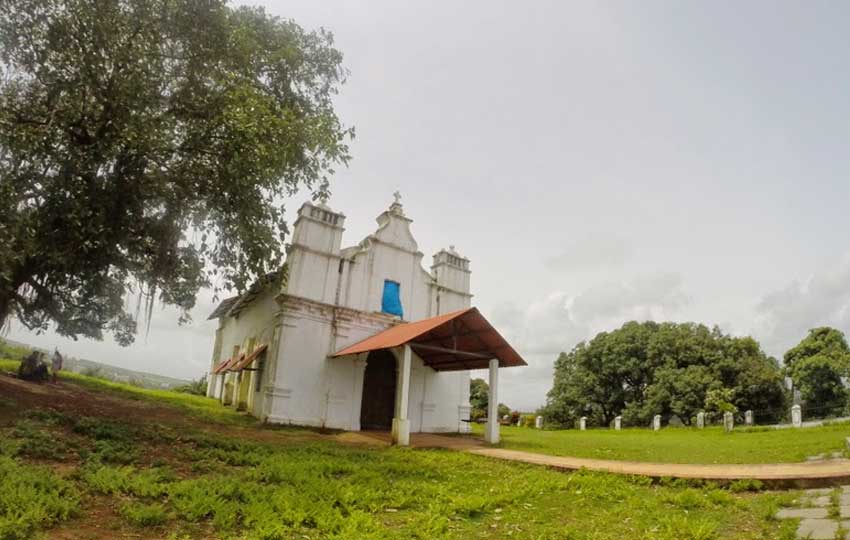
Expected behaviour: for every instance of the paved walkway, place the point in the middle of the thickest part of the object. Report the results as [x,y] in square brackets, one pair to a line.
[824,514]
[810,474]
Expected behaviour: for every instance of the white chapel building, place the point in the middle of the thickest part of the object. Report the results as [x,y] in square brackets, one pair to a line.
[357,338]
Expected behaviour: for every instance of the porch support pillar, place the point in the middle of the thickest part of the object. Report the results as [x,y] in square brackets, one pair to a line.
[401,423]
[491,433]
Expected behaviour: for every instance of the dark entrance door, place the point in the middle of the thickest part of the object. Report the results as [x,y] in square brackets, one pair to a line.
[378,405]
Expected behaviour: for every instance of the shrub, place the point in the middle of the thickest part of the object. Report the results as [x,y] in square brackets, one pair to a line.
[197,388]
[37,443]
[739,486]
[48,417]
[32,497]
[99,429]
[528,420]
[108,480]
[144,515]
[109,451]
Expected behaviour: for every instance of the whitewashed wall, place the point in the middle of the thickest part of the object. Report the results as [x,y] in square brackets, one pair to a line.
[333,299]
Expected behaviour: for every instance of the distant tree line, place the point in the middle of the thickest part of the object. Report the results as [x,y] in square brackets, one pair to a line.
[679,369]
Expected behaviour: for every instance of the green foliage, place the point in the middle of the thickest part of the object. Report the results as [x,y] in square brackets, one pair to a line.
[479,397]
[720,400]
[31,498]
[817,366]
[144,515]
[479,393]
[101,429]
[112,480]
[49,417]
[145,148]
[644,369]
[95,372]
[197,406]
[109,451]
[742,485]
[37,443]
[197,388]
[108,480]
[12,352]
[288,484]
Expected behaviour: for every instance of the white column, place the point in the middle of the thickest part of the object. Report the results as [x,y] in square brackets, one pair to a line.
[357,390]
[401,423]
[491,433]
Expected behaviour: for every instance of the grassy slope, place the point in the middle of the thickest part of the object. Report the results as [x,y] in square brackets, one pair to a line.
[682,445]
[156,480]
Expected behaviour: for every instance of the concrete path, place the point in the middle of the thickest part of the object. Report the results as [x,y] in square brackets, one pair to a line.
[824,514]
[810,474]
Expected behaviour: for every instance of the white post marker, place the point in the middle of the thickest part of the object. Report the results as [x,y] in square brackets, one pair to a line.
[618,423]
[700,420]
[401,424]
[582,423]
[728,421]
[491,433]
[538,422]
[797,416]
[656,422]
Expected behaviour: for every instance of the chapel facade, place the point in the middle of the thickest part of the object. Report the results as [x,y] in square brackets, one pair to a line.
[274,348]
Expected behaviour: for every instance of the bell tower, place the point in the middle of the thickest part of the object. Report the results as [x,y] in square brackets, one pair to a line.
[450,271]
[314,254]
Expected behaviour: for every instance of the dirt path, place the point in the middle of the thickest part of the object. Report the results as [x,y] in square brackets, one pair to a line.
[798,475]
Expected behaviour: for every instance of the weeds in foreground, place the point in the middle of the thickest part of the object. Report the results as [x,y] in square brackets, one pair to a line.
[236,487]
[32,497]
[144,515]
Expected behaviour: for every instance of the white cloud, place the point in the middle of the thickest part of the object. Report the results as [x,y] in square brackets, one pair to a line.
[592,252]
[783,317]
[554,324]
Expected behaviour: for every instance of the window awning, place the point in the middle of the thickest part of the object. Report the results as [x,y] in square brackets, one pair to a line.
[459,340]
[222,366]
[245,360]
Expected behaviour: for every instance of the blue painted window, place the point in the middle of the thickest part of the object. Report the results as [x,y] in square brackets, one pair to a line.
[391,301]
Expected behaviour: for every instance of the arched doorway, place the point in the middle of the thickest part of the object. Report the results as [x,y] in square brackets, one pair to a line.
[379,382]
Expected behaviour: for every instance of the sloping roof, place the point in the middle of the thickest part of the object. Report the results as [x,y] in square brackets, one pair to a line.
[232,306]
[223,307]
[458,340]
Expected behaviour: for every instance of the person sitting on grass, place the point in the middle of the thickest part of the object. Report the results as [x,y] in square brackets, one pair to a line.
[56,365]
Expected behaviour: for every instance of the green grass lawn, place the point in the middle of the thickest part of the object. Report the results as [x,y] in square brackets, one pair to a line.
[107,474]
[681,445]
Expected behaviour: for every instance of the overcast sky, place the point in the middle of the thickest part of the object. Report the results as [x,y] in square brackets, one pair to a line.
[597,162]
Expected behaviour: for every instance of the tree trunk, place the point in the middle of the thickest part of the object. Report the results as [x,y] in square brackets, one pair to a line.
[5,308]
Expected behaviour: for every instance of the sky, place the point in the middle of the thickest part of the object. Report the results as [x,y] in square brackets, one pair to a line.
[597,162]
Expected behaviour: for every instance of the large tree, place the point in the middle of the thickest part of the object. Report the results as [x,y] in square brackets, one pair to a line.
[145,150]
[818,365]
[644,369]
